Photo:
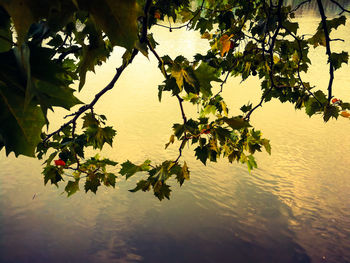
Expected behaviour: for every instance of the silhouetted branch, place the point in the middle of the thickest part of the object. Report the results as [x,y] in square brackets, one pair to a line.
[341,7]
[328,48]
[185,25]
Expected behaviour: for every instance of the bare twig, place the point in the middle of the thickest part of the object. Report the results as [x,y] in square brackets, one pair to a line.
[299,5]
[223,83]
[341,7]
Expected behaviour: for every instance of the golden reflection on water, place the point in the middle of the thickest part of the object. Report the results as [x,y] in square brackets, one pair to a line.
[300,194]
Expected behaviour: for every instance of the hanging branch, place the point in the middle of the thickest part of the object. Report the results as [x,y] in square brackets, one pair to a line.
[84,108]
[299,61]
[163,70]
[341,7]
[187,24]
[300,5]
[328,48]
[270,52]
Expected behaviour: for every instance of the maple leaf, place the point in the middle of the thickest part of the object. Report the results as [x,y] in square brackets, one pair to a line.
[157,14]
[225,44]
[345,114]
[180,74]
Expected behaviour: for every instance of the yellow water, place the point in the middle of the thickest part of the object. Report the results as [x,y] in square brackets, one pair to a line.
[294,208]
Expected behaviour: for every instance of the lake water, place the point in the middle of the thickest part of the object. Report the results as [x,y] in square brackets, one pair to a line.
[294,208]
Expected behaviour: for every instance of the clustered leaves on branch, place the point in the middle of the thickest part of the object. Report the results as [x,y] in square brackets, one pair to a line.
[44,48]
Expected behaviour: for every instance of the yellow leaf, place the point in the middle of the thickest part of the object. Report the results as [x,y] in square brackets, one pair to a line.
[177,73]
[185,171]
[295,57]
[225,44]
[180,74]
[171,140]
[276,59]
[247,66]
[224,108]
[206,35]
[213,145]
[345,114]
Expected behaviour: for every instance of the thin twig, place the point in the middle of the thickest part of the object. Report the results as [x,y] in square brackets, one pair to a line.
[163,70]
[299,5]
[223,83]
[299,61]
[341,7]
[270,52]
[185,25]
[84,108]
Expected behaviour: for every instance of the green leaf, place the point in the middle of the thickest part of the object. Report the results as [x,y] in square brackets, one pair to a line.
[251,163]
[72,187]
[338,58]
[97,136]
[202,153]
[181,74]
[5,31]
[205,75]
[117,18]
[334,23]
[91,56]
[142,185]
[89,120]
[162,190]
[236,123]
[129,169]
[291,26]
[92,183]
[179,129]
[209,109]
[52,174]
[109,179]
[25,13]
[266,144]
[23,125]
[330,111]
[183,174]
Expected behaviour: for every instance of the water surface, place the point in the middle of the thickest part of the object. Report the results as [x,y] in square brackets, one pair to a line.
[294,208]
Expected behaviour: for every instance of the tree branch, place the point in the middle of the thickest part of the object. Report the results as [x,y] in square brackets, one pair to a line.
[341,7]
[185,25]
[162,68]
[270,52]
[299,5]
[328,48]
[86,107]
[299,61]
